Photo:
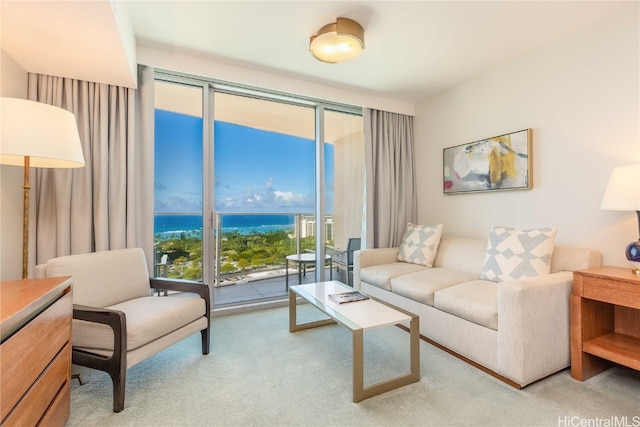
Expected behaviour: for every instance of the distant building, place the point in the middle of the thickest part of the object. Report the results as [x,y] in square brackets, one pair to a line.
[308,227]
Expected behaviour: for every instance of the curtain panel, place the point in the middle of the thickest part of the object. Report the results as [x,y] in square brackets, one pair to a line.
[108,204]
[391,200]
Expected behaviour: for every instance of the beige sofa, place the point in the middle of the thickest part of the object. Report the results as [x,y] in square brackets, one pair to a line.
[517,330]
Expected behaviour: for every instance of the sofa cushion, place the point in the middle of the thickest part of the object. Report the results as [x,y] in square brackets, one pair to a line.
[461,253]
[148,318]
[380,275]
[514,253]
[421,286]
[420,244]
[476,301]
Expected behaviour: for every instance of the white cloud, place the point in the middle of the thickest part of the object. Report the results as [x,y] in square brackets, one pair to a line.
[288,198]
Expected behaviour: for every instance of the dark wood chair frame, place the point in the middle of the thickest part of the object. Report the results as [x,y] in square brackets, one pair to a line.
[116,365]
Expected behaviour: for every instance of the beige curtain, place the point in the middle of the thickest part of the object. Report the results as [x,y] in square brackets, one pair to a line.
[108,204]
[391,199]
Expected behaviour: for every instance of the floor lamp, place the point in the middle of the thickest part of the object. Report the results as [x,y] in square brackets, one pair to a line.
[38,135]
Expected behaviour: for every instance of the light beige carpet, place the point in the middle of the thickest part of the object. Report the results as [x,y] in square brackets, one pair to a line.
[258,374]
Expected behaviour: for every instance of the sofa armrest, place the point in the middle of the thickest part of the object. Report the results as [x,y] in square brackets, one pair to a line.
[533,326]
[367,257]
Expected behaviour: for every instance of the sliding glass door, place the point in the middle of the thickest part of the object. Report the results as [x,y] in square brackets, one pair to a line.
[264,163]
[249,184]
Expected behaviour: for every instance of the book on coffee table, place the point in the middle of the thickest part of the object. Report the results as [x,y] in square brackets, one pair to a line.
[347,297]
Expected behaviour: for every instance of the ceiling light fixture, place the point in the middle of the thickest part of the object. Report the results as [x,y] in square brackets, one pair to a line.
[338,42]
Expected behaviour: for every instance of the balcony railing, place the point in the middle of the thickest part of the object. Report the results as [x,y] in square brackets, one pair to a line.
[248,245]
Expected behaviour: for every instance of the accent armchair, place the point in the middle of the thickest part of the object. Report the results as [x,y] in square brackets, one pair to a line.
[117,321]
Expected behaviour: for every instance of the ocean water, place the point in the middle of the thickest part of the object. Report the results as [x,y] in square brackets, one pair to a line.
[167,225]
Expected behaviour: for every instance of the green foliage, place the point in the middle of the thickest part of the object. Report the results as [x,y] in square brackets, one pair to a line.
[243,263]
[193,273]
[237,252]
[228,268]
[257,261]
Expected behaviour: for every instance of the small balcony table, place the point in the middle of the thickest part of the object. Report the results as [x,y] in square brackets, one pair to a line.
[302,260]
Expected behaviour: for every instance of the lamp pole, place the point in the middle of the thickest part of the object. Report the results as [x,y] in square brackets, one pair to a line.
[25,219]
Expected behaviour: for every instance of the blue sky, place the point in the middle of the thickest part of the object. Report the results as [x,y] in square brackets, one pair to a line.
[255,170]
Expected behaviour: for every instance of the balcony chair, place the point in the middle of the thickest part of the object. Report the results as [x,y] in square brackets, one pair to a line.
[117,321]
[345,260]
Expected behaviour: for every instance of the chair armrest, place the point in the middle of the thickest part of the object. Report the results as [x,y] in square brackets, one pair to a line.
[533,326]
[115,319]
[179,285]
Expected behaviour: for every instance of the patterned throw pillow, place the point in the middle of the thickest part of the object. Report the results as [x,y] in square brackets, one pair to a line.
[420,244]
[513,253]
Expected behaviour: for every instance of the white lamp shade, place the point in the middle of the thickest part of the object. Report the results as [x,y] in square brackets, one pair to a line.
[47,134]
[623,190]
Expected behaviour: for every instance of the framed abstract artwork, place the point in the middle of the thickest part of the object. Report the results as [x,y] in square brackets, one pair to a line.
[498,163]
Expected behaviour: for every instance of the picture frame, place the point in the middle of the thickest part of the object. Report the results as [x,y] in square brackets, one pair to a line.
[502,162]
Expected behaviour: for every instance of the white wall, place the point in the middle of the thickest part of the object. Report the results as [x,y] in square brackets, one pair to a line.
[174,61]
[13,83]
[581,99]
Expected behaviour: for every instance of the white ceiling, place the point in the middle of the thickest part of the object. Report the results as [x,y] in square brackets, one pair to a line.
[412,49]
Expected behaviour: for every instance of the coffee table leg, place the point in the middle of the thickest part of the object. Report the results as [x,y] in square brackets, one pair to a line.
[358,366]
[293,319]
[361,393]
[293,314]
[286,274]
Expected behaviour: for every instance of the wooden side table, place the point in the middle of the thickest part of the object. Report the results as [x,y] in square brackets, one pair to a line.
[605,320]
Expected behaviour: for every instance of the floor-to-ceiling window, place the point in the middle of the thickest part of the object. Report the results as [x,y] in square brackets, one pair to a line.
[178,180]
[231,206]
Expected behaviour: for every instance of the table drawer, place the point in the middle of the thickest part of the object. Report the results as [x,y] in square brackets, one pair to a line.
[35,402]
[59,411]
[27,353]
[611,291]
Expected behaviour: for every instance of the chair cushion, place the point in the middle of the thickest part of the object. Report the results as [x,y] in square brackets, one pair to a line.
[420,244]
[513,253]
[380,275]
[420,286]
[476,301]
[102,279]
[148,318]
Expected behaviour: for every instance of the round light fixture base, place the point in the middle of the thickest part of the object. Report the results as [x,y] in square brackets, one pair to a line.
[338,42]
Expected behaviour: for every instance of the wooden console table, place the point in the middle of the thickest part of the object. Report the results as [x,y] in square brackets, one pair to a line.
[605,320]
[35,333]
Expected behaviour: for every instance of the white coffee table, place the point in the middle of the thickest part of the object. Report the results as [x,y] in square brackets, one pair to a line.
[358,317]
